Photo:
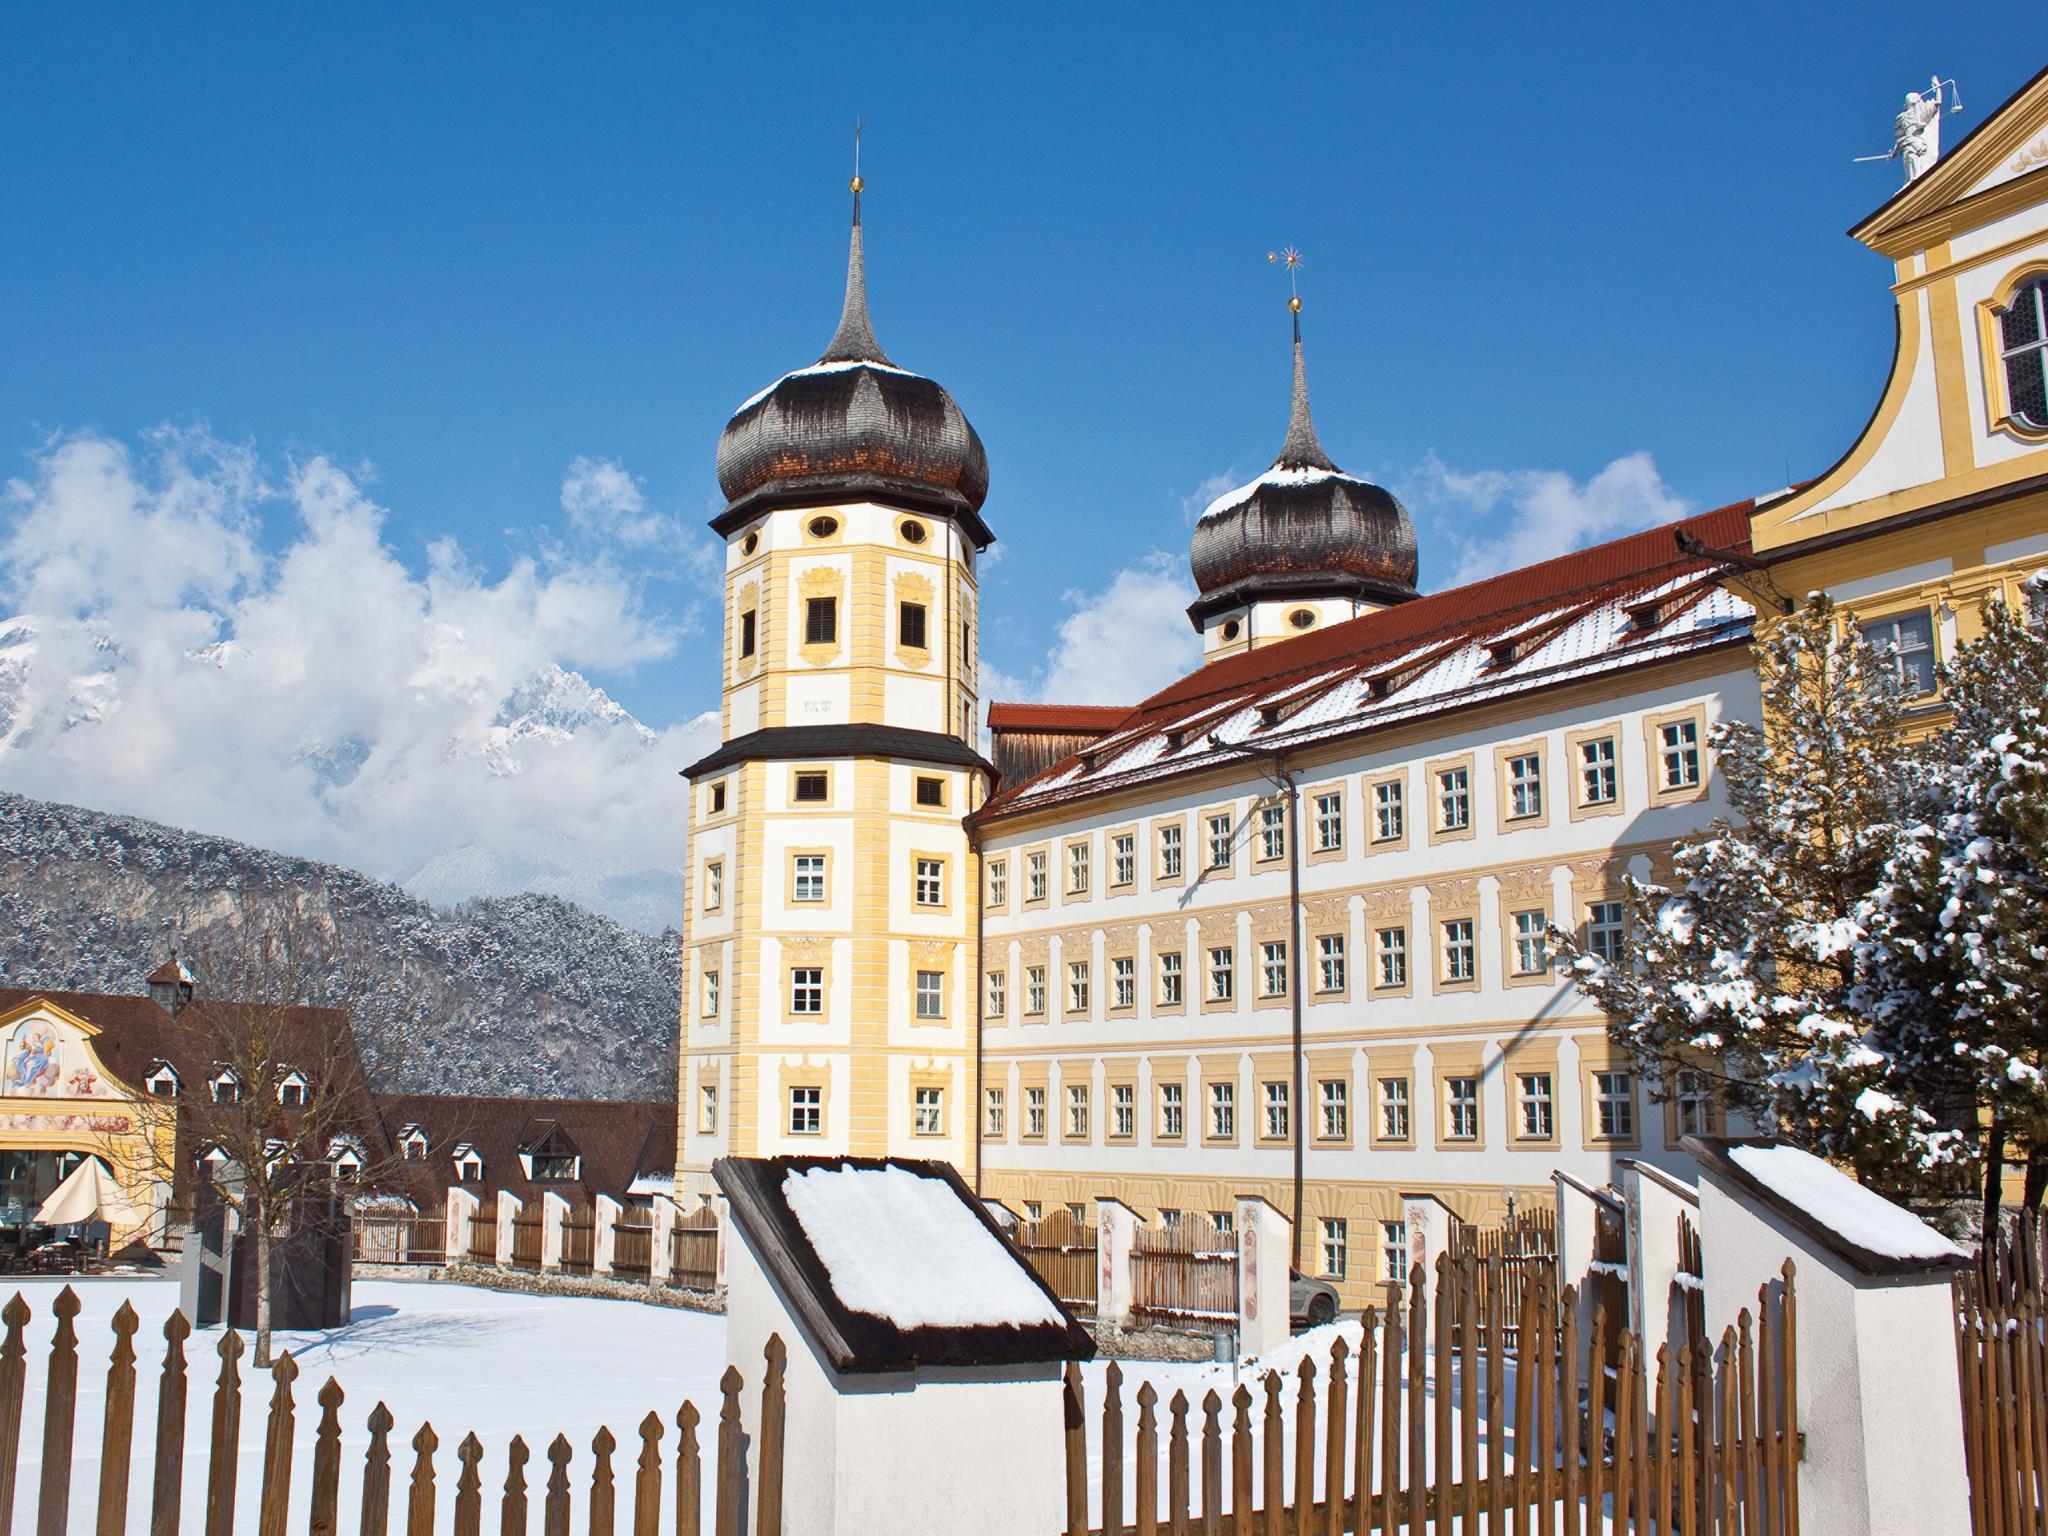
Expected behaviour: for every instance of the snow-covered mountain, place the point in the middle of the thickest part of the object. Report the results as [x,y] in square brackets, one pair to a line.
[550,708]
[524,994]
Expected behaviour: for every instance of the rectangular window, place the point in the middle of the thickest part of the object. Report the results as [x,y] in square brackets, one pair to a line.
[1336,1238]
[1077,869]
[1532,1091]
[998,882]
[1694,1101]
[711,994]
[1034,1113]
[1390,956]
[1606,929]
[1223,1111]
[1272,832]
[931,883]
[1453,799]
[1077,1112]
[1219,842]
[747,633]
[1461,1109]
[1123,982]
[707,1109]
[807,989]
[1905,643]
[1277,1107]
[1169,851]
[1273,968]
[1329,821]
[807,882]
[718,798]
[1389,812]
[1169,1218]
[930,791]
[1034,990]
[1330,962]
[1678,754]
[1525,786]
[931,994]
[910,627]
[821,621]
[1170,1111]
[928,1106]
[1123,859]
[1225,1223]
[1170,979]
[1614,1105]
[992,1116]
[811,788]
[714,885]
[1034,876]
[998,993]
[1532,943]
[1222,974]
[1461,960]
[1394,1109]
[806,1111]
[1123,1110]
[1597,785]
[1335,1096]
[1394,1251]
[1077,986]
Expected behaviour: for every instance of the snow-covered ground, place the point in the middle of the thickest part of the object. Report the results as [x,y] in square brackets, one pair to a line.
[493,1362]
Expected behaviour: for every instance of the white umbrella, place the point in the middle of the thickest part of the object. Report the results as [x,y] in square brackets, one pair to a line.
[89,1194]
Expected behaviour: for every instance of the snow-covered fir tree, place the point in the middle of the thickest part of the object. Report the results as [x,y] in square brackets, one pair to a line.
[1954,958]
[1745,966]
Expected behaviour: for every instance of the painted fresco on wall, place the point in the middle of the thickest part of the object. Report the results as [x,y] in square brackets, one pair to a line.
[44,1060]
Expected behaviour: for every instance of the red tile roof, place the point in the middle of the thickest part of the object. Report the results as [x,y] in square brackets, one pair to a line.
[1056,717]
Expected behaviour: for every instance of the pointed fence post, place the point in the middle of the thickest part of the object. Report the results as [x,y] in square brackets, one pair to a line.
[602,1491]
[167,1488]
[117,1430]
[275,1505]
[377,1474]
[419,1503]
[13,1378]
[469,1487]
[689,1473]
[225,1450]
[60,1409]
[555,1513]
[647,1481]
[512,1508]
[327,1463]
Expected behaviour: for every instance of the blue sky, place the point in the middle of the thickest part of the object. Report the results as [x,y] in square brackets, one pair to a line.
[456,249]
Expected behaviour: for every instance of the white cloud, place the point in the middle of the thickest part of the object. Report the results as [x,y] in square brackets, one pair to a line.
[1121,643]
[261,664]
[606,503]
[1494,520]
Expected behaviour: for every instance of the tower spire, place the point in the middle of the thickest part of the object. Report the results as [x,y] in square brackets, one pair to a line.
[1301,450]
[854,341]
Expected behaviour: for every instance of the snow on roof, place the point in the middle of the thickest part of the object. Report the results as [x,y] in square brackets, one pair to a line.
[797,373]
[1831,1200]
[1277,475]
[900,1246]
[652,1184]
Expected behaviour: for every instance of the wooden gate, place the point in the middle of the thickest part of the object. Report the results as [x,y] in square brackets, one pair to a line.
[579,1239]
[1061,1247]
[1184,1274]
[693,1249]
[1426,1433]
[632,1245]
[526,1237]
[483,1232]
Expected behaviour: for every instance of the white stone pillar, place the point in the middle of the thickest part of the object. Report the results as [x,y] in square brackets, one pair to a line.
[509,1207]
[1578,1220]
[460,1224]
[718,1204]
[605,1240]
[1262,1249]
[1655,1203]
[661,1257]
[1006,1218]
[554,1211]
[1427,1221]
[1878,1395]
[1116,1234]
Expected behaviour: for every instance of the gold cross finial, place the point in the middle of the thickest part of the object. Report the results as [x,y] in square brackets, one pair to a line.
[1291,260]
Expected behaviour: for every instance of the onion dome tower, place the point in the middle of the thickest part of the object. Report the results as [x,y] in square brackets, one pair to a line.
[1302,546]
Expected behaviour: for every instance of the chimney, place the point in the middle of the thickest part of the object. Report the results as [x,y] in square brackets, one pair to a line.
[170,984]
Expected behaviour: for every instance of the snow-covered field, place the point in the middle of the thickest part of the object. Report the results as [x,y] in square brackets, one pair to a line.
[467,1359]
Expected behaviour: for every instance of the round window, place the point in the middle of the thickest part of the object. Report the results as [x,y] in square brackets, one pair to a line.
[913,533]
[824,527]
[1302,618]
[1232,629]
[750,543]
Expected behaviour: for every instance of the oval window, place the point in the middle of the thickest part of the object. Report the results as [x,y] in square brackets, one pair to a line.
[1302,618]
[1231,629]
[824,527]
[750,543]
[913,533]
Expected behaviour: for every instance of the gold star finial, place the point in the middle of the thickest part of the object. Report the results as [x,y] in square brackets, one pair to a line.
[1290,258]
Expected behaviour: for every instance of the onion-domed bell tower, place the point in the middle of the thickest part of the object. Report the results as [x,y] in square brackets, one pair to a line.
[828,936]
[1302,546]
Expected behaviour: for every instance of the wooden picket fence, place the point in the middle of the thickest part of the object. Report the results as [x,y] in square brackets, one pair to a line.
[1060,1246]
[2002,1361]
[483,1232]
[1422,1431]
[632,1245]
[693,1250]
[1184,1274]
[527,1226]
[401,1240]
[579,1239]
[738,1509]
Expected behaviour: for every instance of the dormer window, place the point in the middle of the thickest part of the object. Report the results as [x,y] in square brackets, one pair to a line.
[345,1155]
[292,1091]
[412,1143]
[469,1165]
[555,1165]
[227,1088]
[2023,350]
[162,1081]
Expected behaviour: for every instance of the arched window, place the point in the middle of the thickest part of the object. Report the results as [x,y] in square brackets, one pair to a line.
[2023,346]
